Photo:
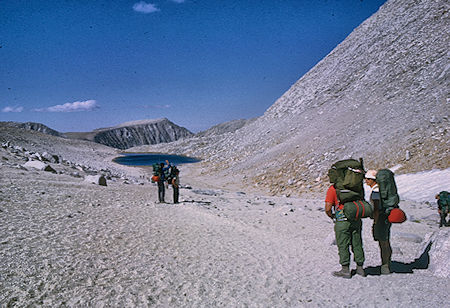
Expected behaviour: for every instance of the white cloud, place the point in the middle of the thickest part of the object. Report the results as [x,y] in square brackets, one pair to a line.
[72,107]
[12,109]
[157,106]
[145,8]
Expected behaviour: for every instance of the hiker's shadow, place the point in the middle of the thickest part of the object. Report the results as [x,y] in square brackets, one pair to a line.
[404,268]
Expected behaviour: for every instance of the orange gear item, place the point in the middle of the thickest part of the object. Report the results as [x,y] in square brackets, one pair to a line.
[397,216]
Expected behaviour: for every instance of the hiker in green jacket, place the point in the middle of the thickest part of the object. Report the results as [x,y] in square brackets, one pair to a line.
[443,208]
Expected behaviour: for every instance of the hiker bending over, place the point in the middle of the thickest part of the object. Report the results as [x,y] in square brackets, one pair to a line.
[348,233]
[381,228]
[443,208]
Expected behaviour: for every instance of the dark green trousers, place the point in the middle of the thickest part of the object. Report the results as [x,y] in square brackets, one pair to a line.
[348,233]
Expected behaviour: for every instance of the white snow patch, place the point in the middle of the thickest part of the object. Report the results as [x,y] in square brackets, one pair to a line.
[422,186]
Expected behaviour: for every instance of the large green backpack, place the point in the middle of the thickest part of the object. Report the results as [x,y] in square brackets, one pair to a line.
[171,173]
[388,190]
[156,169]
[347,176]
[444,200]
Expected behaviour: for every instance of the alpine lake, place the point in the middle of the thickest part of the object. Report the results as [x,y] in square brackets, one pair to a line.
[148,159]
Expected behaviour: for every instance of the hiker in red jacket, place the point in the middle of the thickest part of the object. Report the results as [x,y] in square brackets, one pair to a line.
[348,233]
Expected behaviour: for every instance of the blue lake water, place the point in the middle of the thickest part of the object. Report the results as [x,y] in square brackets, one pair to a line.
[147,159]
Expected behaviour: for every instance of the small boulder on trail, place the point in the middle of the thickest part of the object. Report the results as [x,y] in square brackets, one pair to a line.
[39,166]
[96,179]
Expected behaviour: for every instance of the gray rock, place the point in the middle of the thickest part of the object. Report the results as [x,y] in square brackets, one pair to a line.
[48,157]
[206,192]
[96,179]
[75,174]
[440,254]
[36,156]
[39,166]
[409,237]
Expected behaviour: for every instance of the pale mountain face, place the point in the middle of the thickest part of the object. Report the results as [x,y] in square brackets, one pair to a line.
[382,94]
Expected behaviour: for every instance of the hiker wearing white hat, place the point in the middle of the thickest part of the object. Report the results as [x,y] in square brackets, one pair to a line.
[381,226]
[371,174]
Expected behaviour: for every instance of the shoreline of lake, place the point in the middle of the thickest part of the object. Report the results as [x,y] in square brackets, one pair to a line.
[140,159]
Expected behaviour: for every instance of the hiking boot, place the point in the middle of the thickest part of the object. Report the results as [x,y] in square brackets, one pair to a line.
[344,272]
[360,271]
[385,269]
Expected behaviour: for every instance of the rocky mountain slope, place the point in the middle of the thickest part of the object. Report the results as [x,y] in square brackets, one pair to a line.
[223,128]
[78,155]
[135,133]
[382,94]
[35,127]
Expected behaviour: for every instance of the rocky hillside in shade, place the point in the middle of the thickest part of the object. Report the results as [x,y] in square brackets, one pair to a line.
[35,127]
[135,133]
[382,94]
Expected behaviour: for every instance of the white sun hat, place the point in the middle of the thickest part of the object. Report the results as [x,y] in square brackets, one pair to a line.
[371,174]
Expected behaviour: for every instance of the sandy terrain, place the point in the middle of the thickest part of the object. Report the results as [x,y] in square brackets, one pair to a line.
[68,243]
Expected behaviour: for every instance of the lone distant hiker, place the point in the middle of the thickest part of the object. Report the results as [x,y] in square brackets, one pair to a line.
[161,180]
[348,233]
[443,201]
[175,184]
[381,226]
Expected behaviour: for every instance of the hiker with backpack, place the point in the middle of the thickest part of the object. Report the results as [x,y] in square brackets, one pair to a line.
[443,201]
[381,226]
[347,189]
[175,181]
[386,212]
[160,171]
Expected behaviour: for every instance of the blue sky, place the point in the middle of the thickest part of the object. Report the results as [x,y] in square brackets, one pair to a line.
[81,65]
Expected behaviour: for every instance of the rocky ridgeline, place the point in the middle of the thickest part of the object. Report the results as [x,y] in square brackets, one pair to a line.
[135,133]
[20,158]
[38,127]
[381,94]
[123,136]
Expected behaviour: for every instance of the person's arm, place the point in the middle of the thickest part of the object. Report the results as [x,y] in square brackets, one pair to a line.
[175,181]
[375,197]
[376,210]
[329,209]
[330,201]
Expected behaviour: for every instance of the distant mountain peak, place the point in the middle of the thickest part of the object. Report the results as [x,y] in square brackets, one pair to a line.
[141,122]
